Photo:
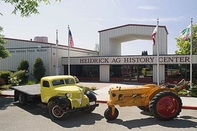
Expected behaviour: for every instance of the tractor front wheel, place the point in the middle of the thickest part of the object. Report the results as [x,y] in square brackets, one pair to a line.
[165,105]
[108,114]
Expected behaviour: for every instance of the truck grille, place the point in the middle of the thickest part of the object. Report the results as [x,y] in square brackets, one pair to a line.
[76,95]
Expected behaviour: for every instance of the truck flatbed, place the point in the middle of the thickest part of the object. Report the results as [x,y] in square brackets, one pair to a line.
[32,90]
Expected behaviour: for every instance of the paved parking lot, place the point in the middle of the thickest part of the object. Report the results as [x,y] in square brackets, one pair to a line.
[14,117]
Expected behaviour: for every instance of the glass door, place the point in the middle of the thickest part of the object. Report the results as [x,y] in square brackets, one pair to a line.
[130,72]
[134,73]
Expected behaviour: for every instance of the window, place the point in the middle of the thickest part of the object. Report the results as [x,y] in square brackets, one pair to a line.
[115,71]
[45,84]
[58,82]
[70,81]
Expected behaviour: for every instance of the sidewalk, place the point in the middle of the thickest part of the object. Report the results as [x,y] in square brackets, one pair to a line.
[103,96]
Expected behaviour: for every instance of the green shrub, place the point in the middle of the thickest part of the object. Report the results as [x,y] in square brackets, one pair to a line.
[38,69]
[22,75]
[5,76]
[18,78]
[2,81]
[14,80]
[87,88]
[31,82]
[193,91]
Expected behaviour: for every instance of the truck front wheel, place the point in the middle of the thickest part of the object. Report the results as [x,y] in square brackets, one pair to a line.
[55,111]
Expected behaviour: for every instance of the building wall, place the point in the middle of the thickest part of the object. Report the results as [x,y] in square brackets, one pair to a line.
[26,50]
[30,50]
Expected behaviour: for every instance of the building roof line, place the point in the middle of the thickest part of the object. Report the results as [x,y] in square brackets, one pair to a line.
[133,25]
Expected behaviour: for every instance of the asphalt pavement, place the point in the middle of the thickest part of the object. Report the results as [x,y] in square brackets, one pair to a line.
[103,96]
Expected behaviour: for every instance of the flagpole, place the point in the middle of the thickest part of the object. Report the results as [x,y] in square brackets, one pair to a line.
[158,52]
[57,72]
[191,53]
[68,52]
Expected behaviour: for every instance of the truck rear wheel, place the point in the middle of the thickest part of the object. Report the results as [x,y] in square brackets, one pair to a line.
[108,114]
[165,105]
[55,111]
[22,98]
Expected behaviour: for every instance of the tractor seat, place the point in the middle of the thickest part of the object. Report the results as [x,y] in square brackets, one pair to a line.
[170,85]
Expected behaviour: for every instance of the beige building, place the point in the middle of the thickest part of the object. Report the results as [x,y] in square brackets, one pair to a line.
[30,50]
[107,65]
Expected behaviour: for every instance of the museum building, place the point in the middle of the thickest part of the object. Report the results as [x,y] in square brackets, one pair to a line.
[107,64]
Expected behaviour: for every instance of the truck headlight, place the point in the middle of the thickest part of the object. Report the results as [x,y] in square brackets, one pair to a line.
[67,95]
[88,92]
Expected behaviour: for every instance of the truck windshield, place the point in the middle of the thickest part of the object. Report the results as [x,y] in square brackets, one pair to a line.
[61,82]
[69,81]
[58,82]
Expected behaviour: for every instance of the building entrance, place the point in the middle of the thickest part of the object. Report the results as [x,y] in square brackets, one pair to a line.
[130,73]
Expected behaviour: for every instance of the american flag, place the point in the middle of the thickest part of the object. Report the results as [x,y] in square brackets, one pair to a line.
[71,43]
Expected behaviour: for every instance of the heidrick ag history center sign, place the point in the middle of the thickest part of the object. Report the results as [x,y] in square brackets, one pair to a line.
[169,59]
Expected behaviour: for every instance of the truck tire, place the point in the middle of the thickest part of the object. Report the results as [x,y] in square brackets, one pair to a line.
[165,105]
[22,99]
[55,111]
[108,114]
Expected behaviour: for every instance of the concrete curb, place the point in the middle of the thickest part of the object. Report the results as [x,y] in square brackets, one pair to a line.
[189,107]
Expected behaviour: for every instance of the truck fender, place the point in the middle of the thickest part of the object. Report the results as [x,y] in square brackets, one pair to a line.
[61,101]
[90,95]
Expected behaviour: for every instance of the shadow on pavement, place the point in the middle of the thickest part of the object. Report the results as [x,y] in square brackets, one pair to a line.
[176,123]
[75,119]
[5,102]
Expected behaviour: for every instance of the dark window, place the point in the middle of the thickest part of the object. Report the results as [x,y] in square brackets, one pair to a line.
[115,71]
[45,84]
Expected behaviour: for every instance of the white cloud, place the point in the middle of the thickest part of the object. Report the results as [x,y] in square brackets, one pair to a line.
[148,7]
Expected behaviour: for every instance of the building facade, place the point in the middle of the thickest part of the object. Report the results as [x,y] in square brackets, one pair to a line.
[107,65]
[31,50]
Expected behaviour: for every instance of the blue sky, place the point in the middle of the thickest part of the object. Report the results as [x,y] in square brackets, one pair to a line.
[87,17]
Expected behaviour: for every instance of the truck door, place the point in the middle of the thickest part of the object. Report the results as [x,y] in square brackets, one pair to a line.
[45,91]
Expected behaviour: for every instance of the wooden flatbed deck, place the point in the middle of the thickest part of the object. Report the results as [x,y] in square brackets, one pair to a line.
[32,90]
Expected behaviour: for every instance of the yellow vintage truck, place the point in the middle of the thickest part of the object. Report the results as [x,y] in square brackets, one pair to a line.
[59,93]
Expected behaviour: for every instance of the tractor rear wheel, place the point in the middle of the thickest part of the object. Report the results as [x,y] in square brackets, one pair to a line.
[165,105]
[108,114]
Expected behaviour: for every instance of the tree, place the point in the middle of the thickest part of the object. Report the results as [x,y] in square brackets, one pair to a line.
[184,45]
[24,65]
[3,52]
[39,69]
[184,48]
[26,7]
